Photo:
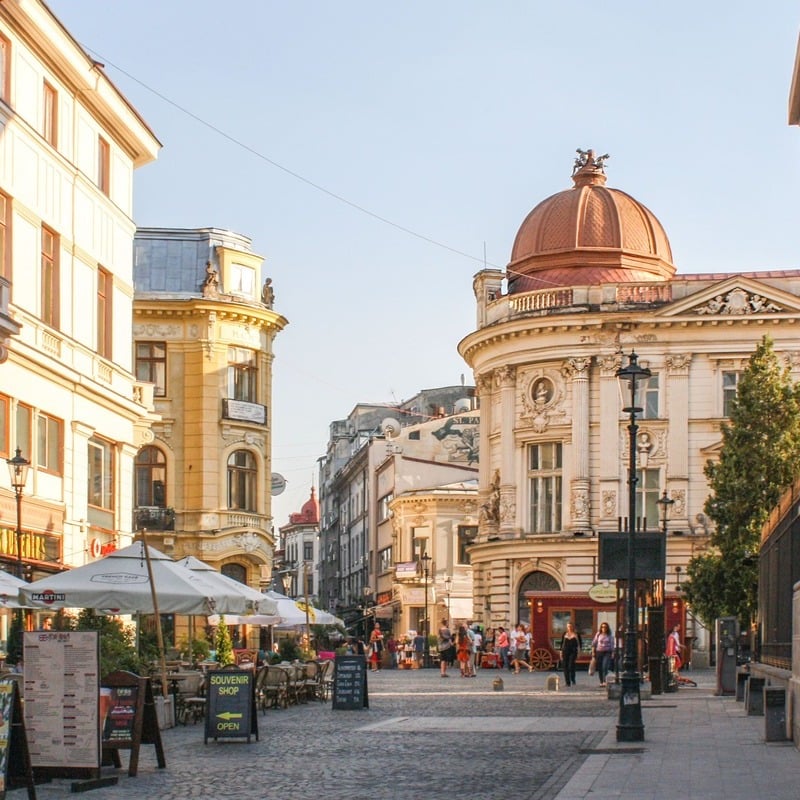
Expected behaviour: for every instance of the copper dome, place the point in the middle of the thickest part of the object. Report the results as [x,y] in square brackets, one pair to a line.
[588,235]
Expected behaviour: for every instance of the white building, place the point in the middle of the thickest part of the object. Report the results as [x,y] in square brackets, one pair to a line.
[396,486]
[591,279]
[69,401]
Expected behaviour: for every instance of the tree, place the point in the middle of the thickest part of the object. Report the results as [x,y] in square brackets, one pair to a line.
[117,642]
[223,645]
[758,460]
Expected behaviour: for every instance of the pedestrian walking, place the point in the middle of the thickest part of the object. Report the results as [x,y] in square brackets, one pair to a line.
[444,644]
[464,651]
[418,644]
[477,649]
[603,651]
[376,647]
[570,647]
[502,644]
[522,642]
[391,648]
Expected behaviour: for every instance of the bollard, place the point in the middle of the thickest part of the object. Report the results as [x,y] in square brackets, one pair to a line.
[754,696]
[774,714]
[741,682]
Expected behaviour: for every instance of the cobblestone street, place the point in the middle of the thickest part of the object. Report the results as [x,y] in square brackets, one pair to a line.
[422,737]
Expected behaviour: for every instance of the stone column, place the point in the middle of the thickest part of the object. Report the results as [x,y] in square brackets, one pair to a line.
[676,477]
[576,370]
[506,381]
[610,455]
[483,387]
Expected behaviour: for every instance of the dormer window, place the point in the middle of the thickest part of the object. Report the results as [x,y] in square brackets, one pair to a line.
[242,280]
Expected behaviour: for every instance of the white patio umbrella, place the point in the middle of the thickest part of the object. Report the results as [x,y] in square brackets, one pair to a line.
[9,590]
[290,614]
[293,612]
[120,583]
[258,602]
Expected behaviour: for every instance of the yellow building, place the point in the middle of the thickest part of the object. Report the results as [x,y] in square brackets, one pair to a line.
[203,332]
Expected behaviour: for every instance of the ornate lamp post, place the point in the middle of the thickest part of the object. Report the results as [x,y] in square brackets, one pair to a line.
[426,658]
[18,472]
[665,501]
[448,586]
[630,727]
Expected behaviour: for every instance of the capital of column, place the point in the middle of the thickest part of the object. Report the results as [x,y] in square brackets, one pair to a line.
[576,368]
[505,377]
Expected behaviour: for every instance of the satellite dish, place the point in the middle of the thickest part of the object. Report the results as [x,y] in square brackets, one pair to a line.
[278,484]
[463,405]
[390,428]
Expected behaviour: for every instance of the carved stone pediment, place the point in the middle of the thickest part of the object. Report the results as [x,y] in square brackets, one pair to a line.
[734,297]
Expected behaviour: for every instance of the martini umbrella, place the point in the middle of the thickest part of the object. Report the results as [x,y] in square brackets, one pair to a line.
[120,583]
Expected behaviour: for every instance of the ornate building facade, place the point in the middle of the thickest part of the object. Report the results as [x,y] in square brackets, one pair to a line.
[591,279]
[203,334]
[395,486]
[69,403]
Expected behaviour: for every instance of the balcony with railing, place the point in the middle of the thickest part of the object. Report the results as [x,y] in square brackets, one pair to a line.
[153,518]
[8,325]
[578,299]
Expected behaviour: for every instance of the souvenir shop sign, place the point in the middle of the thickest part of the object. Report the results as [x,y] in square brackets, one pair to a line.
[230,705]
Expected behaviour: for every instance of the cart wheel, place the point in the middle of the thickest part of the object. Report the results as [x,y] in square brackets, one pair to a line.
[541,658]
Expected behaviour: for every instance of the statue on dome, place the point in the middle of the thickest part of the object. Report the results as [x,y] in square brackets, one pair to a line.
[587,159]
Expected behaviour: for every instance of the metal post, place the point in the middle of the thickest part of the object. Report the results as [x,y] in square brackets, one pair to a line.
[18,473]
[305,593]
[426,657]
[630,727]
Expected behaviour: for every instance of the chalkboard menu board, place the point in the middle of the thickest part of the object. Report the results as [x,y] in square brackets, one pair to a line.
[118,705]
[128,719]
[15,762]
[230,705]
[350,683]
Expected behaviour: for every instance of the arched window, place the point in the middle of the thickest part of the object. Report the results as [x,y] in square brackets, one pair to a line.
[235,571]
[241,481]
[151,478]
[533,582]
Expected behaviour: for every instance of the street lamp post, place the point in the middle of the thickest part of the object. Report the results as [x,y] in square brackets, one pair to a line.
[426,657]
[630,727]
[18,472]
[448,586]
[305,599]
[665,501]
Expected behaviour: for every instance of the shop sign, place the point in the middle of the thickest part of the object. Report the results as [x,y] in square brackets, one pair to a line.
[405,569]
[603,593]
[413,595]
[34,546]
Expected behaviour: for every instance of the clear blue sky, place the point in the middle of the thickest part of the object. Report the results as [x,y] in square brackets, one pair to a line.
[450,119]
